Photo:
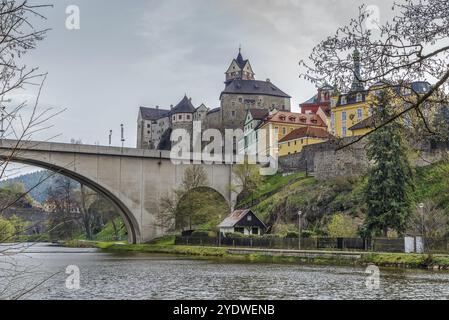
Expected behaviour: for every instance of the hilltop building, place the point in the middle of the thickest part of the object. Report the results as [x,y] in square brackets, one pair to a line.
[242,92]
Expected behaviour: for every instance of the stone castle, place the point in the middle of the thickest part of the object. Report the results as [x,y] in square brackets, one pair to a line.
[242,92]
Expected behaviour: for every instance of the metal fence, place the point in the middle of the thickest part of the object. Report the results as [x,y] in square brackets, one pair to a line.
[321,243]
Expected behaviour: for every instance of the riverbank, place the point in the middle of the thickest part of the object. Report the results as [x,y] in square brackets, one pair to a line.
[227,254]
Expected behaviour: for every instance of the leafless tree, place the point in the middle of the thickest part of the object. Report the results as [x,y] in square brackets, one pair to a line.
[22,119]
[411,46]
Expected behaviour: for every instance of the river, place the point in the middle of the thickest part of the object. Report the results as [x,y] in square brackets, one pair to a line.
[150,276]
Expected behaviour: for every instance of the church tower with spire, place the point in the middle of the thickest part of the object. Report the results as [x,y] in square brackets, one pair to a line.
[239,69]
[357,84]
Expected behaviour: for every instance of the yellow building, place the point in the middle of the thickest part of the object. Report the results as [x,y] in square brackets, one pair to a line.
[301,137]
[279,124]
[351,113]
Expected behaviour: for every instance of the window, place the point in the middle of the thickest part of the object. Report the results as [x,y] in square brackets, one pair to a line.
[233,113]
[240,99]
[239,230]
[255,230]
[359,114]
[284,131]
[289,144]
[180,117]
[343,131]
[343,100]
[343,116]
[295,142]
[359,97]
[249,217]
[188,117]
[148,125]
[174,118]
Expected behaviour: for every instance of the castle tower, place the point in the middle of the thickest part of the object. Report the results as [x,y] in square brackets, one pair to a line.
[239,69]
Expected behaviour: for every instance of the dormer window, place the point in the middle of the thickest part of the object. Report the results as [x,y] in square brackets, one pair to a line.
[343,100]
[282,118]
[292,119]
[359,97]
[303,119]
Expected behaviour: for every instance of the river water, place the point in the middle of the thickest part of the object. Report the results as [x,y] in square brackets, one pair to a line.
[149,276]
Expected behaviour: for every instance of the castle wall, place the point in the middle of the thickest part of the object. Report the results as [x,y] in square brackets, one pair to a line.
[235,106]
[325,162]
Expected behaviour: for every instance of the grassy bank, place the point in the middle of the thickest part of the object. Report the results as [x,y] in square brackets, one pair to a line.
[166,246]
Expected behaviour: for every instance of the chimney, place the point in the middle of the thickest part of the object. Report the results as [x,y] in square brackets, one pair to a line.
[268,80]
[171,107]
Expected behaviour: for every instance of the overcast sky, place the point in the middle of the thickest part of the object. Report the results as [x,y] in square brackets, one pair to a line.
[151,52]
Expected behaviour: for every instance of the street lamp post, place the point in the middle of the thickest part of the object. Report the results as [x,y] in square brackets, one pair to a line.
[299,229]
[3,116]
[123,135]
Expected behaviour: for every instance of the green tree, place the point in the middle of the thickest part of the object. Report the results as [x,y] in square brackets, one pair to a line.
[193,204]
[247,180]
[19,226]
[6,230]
[15,195]
[390,178]
[441,124]
[342,226]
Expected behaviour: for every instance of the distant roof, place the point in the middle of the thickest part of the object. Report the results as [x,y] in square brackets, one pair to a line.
[235,217]
[366,123]
[153,113]
[184,106]
[214,110]
[258,114]
[240,61]
[239,86]
[314,99]
[296,118]
[306,132]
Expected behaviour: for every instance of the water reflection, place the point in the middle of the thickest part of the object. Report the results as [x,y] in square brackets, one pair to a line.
[144,276]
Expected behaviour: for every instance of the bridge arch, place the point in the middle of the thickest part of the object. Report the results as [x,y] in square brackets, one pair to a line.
[215,195]
[131,224]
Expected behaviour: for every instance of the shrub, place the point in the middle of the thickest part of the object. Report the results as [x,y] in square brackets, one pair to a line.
[235,235]
[200,233]
[308,234]
[292,234]
[342,226]
[6,230]
[270,236]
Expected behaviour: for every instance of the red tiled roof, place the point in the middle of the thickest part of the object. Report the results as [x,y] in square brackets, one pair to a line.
[306,132]
[366,123]
[296,118]
[258,114]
